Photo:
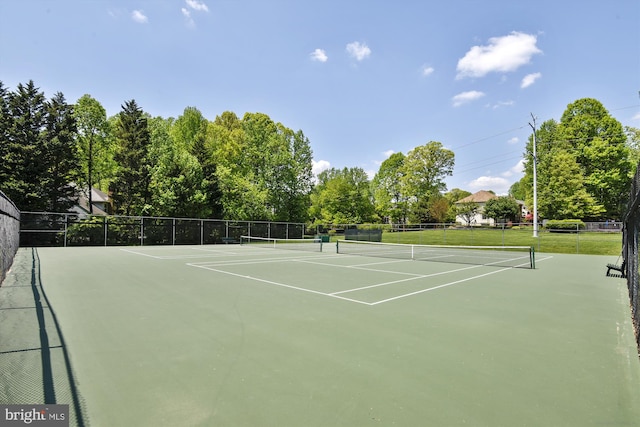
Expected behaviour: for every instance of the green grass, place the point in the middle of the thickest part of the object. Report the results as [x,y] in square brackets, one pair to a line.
[592,243]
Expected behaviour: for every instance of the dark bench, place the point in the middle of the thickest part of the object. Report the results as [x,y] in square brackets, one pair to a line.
[619,268]
[228,240]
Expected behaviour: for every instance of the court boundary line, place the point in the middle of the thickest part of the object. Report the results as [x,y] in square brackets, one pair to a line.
[338,293]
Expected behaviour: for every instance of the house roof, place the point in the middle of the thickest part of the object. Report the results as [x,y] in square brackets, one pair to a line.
[481,196]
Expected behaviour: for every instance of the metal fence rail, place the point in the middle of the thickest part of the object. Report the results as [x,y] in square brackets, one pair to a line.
[71,229]
[9,233]
[630,251]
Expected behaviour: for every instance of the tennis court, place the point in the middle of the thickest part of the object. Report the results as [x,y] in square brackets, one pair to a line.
[254,335]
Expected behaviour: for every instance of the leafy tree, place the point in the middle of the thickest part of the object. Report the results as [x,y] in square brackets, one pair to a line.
[342,197]
[502,208]
[190,132]
[425,168]
[633,142]
[387,187]
[439,209]
[176,178]
[563,194]
[467,211]
[94,145]
[60,156]
[517,191]
[599,144]
[130,188]
[452,197]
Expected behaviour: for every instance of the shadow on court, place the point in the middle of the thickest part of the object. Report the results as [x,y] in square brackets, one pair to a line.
[34,364]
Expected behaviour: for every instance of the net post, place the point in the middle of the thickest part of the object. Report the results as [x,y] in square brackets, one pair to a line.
[532,255]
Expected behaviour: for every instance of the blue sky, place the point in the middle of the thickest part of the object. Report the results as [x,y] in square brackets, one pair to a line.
[362,79]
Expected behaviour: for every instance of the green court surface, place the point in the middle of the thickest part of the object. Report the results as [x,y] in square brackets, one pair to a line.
[240,336]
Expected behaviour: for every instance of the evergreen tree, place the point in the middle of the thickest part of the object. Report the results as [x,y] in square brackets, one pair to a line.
[130,189]
[60,156]
[22,167]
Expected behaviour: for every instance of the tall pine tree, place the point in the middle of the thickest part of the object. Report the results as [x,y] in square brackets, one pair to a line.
[60,156]
[130,189]
[22,168]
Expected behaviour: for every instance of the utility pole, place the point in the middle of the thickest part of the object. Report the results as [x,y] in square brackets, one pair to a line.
[535,179]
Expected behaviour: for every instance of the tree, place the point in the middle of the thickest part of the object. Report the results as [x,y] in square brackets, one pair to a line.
[390,201]
[439,209]
[502,208]
[517,191]
[177,183]
[342,197]
[130,188]
[633,142]
[95,153]
[452,197]
[21,170]
[563,194]
[599,144]
[467,211]
[191,132]
[425,168]
[60,156]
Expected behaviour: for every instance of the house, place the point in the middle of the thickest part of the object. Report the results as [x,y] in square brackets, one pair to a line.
[99,200]
[481,198]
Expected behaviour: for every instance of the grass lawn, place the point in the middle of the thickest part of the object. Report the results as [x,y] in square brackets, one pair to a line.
[592,243]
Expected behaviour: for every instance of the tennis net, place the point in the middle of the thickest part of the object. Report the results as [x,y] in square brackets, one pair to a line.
[499,256]
[313,245]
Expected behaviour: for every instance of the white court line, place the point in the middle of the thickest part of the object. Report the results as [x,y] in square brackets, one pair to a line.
[257,279]
[260,260]
[375,270]
[140,253]
[207,266]
[439,286]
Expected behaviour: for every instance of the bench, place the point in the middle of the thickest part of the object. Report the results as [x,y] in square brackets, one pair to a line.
[228,240]
[619,268]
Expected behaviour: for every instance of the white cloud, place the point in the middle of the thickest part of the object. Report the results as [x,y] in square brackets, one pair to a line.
[515,170]
[427,71]
[466,97]
[187,17]
[139,17]
[636,117]
[503,104]
[319,55]
[388,153]
[197,5]
[497,184]
[319,166]
[358,50]
[502,54]
[530,79]
[513,140]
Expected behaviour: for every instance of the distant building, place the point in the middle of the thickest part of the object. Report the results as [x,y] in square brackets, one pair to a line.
[99,200]
[481,198]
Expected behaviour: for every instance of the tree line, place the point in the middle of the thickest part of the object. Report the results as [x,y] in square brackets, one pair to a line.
[253,168]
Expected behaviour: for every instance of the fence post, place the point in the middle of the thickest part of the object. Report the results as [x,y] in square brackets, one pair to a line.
[106,226]
[66,226]
[201,232]
[141,231]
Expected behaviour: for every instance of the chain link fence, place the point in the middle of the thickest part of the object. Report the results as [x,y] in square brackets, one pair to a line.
[579,238]
[9,233]
[69,229]
[630,252]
